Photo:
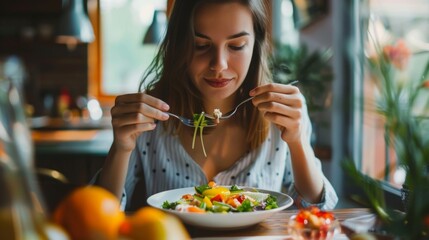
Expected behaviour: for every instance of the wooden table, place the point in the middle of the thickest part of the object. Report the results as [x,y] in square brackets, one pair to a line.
[273,226]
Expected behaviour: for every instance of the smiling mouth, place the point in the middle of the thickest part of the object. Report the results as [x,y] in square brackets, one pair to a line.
[218,82]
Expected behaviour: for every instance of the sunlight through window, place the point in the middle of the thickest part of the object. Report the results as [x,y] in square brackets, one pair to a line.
[125,57]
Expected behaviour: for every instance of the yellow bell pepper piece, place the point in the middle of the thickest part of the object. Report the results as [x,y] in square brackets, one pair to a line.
[207,201]
[215,191]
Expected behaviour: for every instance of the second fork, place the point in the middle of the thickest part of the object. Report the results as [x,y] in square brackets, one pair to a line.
[229,114]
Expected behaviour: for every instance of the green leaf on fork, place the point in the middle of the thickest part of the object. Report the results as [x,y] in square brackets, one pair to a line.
[199,122]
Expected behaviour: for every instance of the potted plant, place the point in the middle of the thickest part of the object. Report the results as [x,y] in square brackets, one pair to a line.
[314,73]
[312,69]
[405,132]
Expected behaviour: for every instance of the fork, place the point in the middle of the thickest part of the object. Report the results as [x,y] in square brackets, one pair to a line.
[229,114]
[190,122]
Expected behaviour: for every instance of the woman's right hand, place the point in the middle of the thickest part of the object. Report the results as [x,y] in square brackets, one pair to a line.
[133,114]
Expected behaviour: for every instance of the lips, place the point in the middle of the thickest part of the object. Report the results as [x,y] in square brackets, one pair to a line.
[218,82]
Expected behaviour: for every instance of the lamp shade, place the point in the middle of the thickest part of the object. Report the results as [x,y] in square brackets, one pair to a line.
[157,28]
[74,25]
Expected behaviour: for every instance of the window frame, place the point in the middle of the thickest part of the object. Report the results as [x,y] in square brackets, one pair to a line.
[95,55]
[351,45]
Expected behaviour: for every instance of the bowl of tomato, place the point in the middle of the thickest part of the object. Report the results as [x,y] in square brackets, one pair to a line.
[313,224]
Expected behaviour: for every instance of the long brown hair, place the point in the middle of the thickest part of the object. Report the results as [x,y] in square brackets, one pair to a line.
[167,77]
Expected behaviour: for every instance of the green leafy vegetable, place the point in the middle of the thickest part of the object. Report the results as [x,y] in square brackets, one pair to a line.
[167,205]
[199,122]
[271,203]
[246,206]
[235,189]
[199,197]
[221,207]
[200,189]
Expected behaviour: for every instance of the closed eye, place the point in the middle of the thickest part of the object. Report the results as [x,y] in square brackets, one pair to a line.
[200,47]
[237,48]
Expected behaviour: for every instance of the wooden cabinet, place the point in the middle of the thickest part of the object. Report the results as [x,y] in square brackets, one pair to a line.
[78,159]
[77,168]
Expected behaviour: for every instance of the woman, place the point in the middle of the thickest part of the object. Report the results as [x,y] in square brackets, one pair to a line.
[214,55]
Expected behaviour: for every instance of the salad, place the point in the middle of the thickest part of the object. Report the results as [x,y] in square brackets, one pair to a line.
[212,198]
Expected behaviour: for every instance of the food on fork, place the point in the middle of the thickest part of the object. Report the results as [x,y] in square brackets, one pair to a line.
[217,114]
[199,122]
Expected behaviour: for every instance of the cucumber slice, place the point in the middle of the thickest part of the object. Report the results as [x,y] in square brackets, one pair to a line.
[257,196]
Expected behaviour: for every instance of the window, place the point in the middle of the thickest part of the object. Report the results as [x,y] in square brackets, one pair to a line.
[359,132]
[387,22]
[118,57]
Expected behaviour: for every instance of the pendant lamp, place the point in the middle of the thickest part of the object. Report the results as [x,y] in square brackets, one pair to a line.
[74,26]
[157,29]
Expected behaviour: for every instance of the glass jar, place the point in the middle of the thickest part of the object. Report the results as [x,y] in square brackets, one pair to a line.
[21,205]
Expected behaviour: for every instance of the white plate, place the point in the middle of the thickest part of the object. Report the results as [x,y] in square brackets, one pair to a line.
[218,220]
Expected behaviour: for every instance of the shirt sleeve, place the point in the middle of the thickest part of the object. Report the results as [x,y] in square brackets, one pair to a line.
[134,174]
[328,200]
[329,197]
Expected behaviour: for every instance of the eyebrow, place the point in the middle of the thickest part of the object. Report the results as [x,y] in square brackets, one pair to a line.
[237,35]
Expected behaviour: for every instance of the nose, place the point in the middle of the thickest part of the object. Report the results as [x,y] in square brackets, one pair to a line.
[219,60]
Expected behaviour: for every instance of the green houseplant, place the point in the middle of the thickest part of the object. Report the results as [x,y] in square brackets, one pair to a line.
[312,69]
[406,131]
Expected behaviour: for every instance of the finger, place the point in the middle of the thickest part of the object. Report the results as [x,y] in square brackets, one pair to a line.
[274,87]
[287,99]
[138,107]
[282,120]
[131,119]
[143,98]
[280,109]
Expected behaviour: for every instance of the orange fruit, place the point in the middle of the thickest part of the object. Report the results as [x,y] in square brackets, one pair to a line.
[152,224]
[90,213]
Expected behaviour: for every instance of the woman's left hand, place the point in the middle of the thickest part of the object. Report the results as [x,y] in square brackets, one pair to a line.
[283,105]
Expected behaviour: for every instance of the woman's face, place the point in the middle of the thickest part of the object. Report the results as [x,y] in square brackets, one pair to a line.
[224,39]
